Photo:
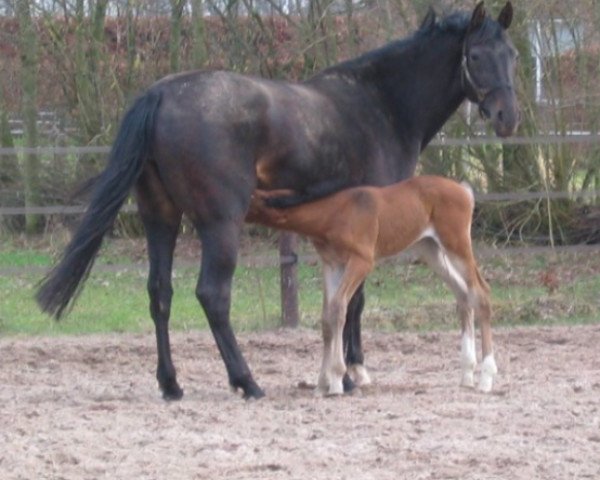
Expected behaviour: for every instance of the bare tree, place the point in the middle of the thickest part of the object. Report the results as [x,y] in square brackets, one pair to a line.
[28,46]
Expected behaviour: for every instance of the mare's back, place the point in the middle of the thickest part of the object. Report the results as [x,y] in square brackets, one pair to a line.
[293,135]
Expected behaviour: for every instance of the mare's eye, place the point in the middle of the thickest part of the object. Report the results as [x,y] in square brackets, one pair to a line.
[474,57]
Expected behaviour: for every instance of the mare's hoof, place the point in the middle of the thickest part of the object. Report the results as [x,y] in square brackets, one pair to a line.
[172,393]
[348,384]
[254,394]
[251,390]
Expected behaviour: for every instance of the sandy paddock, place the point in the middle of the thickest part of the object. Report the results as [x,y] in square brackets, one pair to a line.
[89,408]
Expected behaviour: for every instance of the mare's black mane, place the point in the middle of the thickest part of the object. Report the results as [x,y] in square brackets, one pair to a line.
[455,23]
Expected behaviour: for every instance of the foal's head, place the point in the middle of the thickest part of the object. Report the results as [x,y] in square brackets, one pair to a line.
[488,69]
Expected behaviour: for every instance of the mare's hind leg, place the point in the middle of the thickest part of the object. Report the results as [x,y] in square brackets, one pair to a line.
[352,340]
[161,221]
[219,255]
[161,242]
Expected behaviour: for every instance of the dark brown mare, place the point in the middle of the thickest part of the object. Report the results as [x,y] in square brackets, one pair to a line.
[353,228]
[199,143]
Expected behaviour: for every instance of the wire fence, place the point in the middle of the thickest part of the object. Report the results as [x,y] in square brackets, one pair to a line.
[577,138]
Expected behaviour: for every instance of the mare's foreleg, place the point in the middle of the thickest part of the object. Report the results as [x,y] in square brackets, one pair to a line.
[353,342]
[219,256]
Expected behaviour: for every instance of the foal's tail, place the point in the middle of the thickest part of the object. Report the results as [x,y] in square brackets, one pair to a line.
[130,150]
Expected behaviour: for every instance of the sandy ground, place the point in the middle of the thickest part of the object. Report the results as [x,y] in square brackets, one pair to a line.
[89,408]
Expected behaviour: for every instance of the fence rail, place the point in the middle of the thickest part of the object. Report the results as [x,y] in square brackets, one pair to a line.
[474,141]
[479,197]
[573,137]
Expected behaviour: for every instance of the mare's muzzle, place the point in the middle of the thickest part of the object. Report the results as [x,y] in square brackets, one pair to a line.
[500,107]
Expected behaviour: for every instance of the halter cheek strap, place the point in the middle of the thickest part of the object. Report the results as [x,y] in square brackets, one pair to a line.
[467,80]
[469,83]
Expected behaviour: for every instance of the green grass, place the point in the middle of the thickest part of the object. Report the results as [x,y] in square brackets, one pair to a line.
[399,296]
[25,258]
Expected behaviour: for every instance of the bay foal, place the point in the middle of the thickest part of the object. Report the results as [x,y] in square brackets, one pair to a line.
[353,228]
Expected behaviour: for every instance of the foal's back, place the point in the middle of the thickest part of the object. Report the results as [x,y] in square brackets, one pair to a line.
[377,222]
[419,207]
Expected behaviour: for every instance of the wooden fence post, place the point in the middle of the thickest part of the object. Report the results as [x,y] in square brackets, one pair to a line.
[289,279]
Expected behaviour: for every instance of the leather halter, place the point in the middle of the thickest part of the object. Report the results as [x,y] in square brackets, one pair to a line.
[467,80]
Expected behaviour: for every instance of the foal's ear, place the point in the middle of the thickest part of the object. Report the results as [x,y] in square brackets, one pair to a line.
[506,16]
[429,19]
[477,17]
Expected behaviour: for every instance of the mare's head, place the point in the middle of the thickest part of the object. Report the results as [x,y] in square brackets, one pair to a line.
[488,69]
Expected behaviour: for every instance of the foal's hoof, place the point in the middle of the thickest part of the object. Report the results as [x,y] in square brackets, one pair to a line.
[485,383]
[467,380]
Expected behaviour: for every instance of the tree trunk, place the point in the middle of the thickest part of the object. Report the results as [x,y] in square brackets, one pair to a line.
[175,39]
[518,161]
[29,65]
[10,176]
[289,280]
[88,84]
[198,33]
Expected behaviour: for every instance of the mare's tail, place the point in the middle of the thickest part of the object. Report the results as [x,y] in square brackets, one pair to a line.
[130,150]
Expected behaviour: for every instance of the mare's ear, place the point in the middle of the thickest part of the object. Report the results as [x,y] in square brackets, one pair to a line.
[429,19]
[477,17]
[506,16]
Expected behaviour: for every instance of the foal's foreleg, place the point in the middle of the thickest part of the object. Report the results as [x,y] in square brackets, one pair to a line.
[332,277]
[334,318]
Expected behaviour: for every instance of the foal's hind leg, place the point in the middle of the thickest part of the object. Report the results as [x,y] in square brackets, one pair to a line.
[437,259]
[219,255]
[483,313]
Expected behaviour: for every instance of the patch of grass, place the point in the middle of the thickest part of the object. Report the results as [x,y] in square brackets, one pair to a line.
[23,258]
[399,296]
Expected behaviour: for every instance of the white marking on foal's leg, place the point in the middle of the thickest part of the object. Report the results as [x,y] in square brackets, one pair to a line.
[336,386]
[329,384]
[468,358]
[488,372]
[359,375]
[322,383]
